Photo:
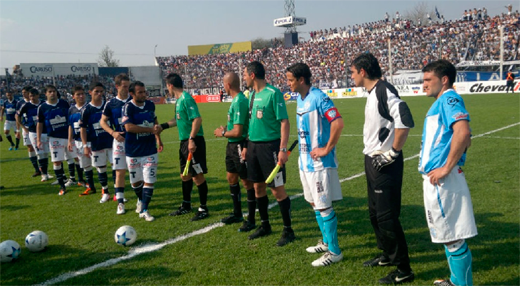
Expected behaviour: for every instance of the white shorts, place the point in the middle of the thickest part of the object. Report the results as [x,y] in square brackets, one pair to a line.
[44,140]
[59,150]
[8,125]
[84,161]
[100,158]
[119,155]
[321,187]
[449,211]
[25,137]
[142,168]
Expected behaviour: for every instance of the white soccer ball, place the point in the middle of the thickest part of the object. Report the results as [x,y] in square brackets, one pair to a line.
[9,250]
[125,235]
[36,241]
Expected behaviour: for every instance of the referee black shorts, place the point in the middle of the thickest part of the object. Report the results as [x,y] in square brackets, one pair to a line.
[198,161]
[262,158]
[234,162]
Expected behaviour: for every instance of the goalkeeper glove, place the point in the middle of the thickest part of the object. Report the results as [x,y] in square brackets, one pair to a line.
[381,159]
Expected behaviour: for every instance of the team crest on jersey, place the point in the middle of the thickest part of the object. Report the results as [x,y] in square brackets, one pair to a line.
[452,101]
[259,114]
[307,105]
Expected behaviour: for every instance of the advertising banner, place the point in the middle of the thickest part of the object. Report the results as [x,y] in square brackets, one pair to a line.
[219,48]
[49,70]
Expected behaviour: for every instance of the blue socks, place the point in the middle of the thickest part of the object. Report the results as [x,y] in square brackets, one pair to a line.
[459,261]
[330,227]
[319,219]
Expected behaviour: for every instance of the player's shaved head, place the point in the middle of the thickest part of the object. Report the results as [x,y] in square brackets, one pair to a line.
[233,80]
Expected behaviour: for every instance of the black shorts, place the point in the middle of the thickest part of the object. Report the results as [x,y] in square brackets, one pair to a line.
[261,159]
[234,163]
[198,161]
[510,84]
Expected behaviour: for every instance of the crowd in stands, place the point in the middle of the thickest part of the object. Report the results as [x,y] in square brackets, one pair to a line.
[474,37]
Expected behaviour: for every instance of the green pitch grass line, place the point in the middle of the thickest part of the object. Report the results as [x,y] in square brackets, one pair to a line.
[154,247]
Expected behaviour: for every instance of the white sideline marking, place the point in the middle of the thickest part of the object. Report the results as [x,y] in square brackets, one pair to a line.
[153,247]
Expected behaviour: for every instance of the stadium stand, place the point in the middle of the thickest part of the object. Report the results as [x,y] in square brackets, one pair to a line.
[474,38]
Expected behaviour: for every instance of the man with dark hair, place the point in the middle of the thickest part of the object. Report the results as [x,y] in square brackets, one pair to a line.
[111,122]
[189,124]
[97,143]
[9,108]
[268,135]
[319,126]
[29,117]
[84,163]
[236,133]
[53,114]
[447,200]
[510,82]
[141,137]
[22,124]
[387,123]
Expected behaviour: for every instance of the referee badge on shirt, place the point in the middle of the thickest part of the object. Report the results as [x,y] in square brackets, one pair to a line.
[178,116]
[259,113]
[228,118]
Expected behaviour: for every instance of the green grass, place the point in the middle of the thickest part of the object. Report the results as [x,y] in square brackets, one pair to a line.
[81,230]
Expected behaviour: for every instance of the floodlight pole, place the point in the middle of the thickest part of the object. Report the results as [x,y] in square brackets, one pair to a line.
[390,61]
[501,51]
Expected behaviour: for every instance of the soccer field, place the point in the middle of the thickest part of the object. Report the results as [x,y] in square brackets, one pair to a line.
[176,251]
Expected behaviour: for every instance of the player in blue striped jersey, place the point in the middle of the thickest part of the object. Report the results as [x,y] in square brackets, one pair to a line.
[9,108]
[29,115]
[111,122]
[447,200]
[53,114]
[26,91]
[319,126]
[142,135]
[97,143]
[75,145]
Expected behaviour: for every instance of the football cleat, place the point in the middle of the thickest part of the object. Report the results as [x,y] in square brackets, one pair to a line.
[36,174]
[287,236]
[319,248]
[327,259]
[247,226]
[261,231]
[55,183]
[232,219]
[146,216]
[104,198]
[181,211]
[87,192]
[120,208]
[397,276]
[202,213]
[446,282]
[70,183]
[379,260]
[82,184]
[11,148]
[46,177]
[62,192]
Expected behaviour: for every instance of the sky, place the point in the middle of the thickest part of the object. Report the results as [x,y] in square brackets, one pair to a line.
[76,31]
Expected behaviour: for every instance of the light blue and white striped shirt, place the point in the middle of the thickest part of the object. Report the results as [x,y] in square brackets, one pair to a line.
[313,117]
[438,132]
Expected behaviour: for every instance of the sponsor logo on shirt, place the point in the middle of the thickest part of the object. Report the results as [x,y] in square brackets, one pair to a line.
[460,116]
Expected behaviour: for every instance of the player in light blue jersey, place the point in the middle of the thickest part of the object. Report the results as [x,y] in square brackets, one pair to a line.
[142,135]
[447,201]
[319,126]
